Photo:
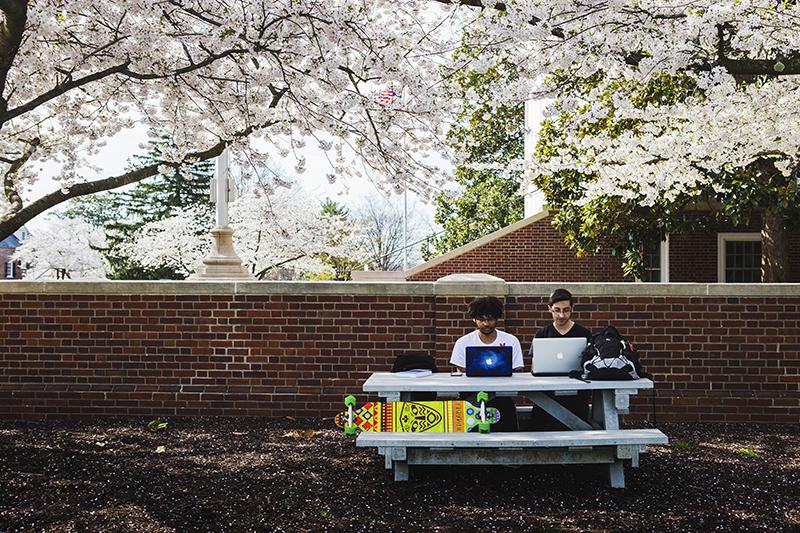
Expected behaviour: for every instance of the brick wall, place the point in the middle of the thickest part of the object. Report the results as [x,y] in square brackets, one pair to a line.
[272,349]
[693,258]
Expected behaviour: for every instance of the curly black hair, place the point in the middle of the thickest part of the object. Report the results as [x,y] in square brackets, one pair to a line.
[485,307]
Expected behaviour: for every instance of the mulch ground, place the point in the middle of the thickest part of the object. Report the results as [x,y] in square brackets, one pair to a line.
[233,474]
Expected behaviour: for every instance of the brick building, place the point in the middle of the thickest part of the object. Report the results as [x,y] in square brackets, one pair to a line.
[9,245]
[532,250]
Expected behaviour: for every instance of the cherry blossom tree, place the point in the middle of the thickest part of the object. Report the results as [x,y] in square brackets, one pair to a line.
[65,248]
[213,73]
[282,232]
[742,115]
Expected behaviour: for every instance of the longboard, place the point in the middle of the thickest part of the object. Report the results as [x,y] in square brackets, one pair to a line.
[457,416]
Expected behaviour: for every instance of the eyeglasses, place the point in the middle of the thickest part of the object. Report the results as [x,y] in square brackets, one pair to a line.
[560,311]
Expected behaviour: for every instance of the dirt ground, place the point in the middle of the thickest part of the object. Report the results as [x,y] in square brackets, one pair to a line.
[233,474]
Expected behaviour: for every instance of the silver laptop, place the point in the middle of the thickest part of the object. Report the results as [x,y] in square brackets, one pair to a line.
[557,357]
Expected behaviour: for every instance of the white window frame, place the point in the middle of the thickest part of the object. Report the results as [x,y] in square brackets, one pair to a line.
[663,264]
[9,270]
[722,238]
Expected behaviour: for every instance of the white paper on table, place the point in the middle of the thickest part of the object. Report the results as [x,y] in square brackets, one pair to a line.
[414,373]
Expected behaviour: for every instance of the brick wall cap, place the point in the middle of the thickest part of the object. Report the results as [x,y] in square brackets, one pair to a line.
[470,285]
[336,287]
[215,287]
[377,275]
[462,277]
[497,287]
[657,289]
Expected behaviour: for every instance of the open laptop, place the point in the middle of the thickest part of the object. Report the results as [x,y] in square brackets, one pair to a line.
[488,361]
[557,357]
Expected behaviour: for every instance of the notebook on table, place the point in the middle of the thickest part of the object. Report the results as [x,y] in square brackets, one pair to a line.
[557,357]
[488,361]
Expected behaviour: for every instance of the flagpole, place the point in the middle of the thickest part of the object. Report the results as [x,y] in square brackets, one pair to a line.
[405,225]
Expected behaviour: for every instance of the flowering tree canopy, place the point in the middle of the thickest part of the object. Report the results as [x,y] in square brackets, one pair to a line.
[212,73]
[727,130]
[279,230]
[216,72]
[64,249]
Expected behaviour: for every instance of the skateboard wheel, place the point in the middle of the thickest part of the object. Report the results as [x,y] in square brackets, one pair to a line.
[350,401]
[484,427]
[482,397]
[350,430]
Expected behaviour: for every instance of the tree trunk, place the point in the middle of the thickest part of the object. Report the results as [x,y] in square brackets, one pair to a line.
[774,247]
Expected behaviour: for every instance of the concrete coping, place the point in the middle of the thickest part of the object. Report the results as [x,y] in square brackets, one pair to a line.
[450,287]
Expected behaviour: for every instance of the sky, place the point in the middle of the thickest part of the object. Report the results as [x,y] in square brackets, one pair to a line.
[352,192]
[113,158]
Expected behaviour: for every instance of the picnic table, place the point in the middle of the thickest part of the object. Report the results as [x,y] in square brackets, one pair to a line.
[597,440]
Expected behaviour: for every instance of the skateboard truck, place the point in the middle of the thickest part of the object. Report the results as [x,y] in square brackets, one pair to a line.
[483,426]
[349,427]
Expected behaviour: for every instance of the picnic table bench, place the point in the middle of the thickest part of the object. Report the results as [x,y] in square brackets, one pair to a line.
[598,440]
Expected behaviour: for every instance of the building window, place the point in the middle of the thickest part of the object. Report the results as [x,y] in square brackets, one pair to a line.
[652,265]
[656,263]
[739,258]
[9,269]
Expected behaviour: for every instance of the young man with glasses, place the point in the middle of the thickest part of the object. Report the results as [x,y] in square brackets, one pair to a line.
[561,305]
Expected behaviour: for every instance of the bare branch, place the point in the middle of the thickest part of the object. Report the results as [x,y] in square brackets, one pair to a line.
[12,221]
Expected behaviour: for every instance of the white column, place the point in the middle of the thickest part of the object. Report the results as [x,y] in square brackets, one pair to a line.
[223,263]
[220,189]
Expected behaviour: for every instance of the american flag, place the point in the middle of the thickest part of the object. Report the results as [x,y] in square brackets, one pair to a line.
[387,95]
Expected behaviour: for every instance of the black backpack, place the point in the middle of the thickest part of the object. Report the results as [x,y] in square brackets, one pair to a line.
[413,360]
[610,356]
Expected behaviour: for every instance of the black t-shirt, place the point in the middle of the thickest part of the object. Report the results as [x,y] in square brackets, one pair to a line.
[550,332]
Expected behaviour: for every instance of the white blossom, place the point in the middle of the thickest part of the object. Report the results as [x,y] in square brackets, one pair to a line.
[282,229]
[208,71]
[69,246]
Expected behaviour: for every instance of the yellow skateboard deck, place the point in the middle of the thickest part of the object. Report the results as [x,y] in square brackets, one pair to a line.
[456,416]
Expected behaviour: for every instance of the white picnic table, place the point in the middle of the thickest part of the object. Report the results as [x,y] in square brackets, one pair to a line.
[597,440]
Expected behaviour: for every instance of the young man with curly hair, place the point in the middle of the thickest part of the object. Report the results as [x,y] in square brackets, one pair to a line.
[485,312]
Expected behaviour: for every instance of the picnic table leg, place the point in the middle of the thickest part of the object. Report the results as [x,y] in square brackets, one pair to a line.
[401,470]
[397,458]
[616,474]
[604,412]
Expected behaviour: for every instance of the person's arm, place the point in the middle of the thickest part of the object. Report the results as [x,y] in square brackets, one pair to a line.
[539,335]
[516,353]
[458,358]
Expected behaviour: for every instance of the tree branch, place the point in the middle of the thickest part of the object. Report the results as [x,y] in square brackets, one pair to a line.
[9,181]
[15,15]
[121,69]
[13,220]
[263,272]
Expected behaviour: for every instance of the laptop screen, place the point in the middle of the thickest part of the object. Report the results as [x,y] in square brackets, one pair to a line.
[558,356]
[488,361]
